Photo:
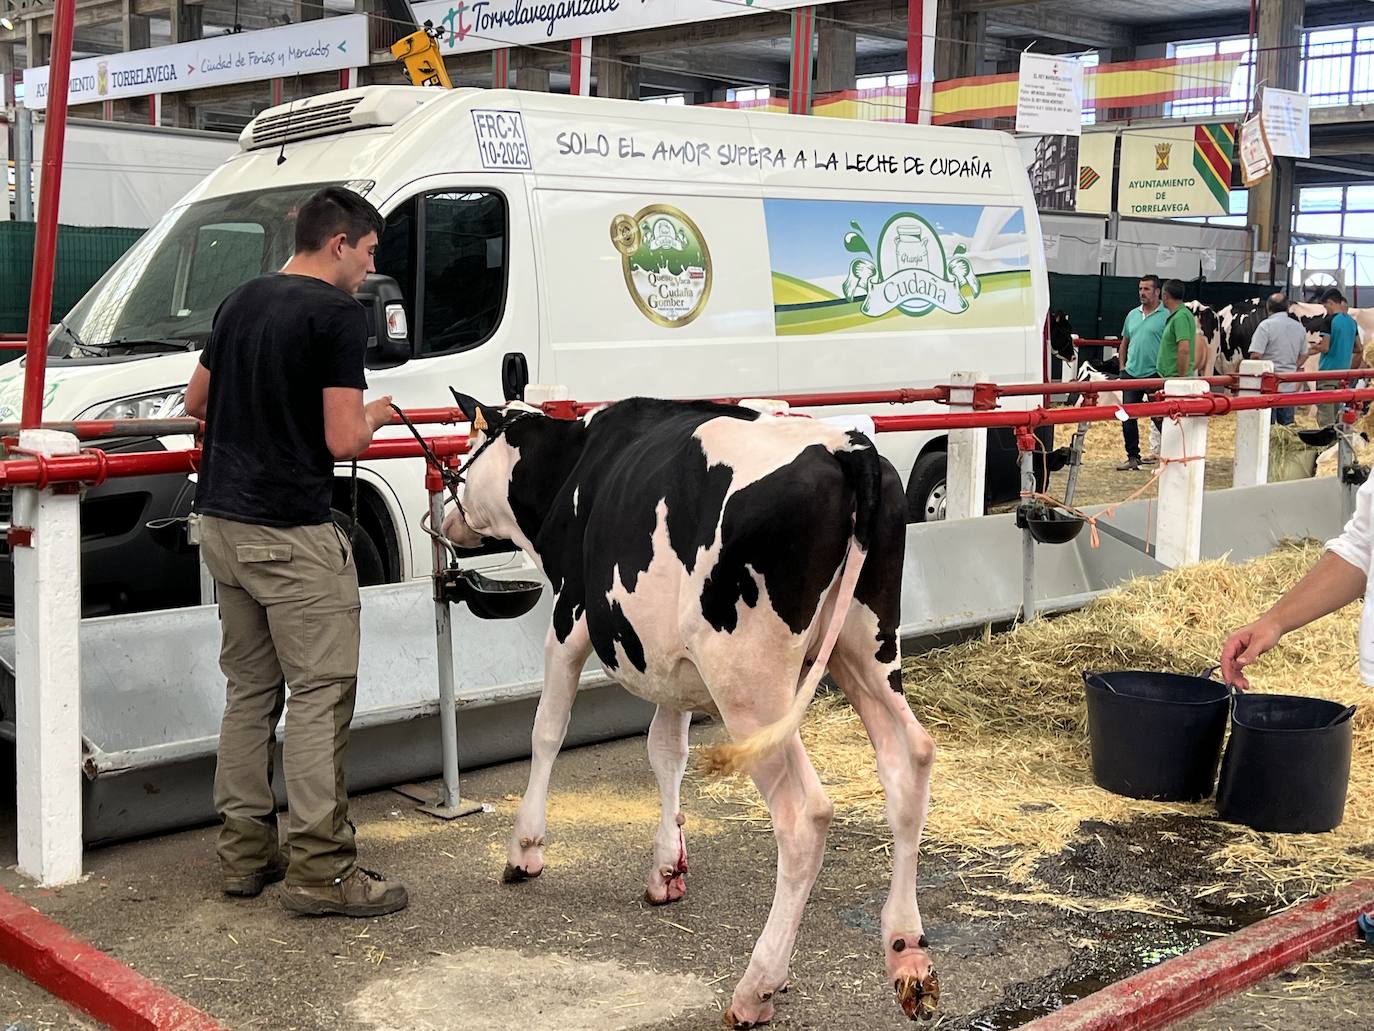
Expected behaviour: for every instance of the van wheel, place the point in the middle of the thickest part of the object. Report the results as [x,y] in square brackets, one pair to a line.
[366,555]
[926,491]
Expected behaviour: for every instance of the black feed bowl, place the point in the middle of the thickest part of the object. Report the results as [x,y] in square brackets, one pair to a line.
[1050,525]
[496,599]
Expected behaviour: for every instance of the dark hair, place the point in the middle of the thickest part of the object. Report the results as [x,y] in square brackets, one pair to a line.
[1333,295]
[1174,289]
[332,211]
[1276,303]
[1152,279]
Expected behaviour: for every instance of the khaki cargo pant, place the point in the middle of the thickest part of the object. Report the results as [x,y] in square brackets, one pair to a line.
[288,607]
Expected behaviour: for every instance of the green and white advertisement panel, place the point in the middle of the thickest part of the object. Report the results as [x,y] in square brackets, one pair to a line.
[857,266]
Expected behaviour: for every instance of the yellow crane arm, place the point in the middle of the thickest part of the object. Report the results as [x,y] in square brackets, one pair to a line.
[423,60]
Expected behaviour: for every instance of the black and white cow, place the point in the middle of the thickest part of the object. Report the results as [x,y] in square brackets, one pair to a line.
[718,560]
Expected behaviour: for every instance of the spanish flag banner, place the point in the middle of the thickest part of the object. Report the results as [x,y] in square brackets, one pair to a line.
[1176,171]
[1096,160]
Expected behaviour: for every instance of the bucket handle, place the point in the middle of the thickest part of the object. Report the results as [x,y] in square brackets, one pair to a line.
[1344,715]
[1097,680]
[1210,672]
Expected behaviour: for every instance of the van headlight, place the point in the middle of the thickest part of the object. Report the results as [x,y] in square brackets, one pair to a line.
[162,404]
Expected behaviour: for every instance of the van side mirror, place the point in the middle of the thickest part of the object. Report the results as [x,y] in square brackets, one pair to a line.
[388,329]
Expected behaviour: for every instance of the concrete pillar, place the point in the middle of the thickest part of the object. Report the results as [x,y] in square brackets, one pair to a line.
[527,76]
[137,28]
[836,51]
[187,20]
[1277,64]
[960,34]
[308,10]
[47,578]
[36,44]
[1178,540]
[9,70]
[1252,430]
[618,77]
[967,461]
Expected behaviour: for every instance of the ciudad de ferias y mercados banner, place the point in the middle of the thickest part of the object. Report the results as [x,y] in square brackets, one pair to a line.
[323,45]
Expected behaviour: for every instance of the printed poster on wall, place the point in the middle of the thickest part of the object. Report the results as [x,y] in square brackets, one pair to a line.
[1287,122]
[856,266]
[1169,172]
[1096,159]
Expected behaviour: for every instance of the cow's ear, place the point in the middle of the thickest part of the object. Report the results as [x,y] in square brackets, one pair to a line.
[467,404]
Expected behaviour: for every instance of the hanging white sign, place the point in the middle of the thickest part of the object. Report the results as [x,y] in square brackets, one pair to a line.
[1049,95]
[1287,122]
[1052,245]
[1255,157]
[323,45]
[471,26]
[1166,256]
[1209,261]
[1106,250]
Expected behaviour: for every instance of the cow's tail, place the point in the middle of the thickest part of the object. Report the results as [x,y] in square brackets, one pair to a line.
[863,470]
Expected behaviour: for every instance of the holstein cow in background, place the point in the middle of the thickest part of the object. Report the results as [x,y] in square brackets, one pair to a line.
[718,561]
[1209,336]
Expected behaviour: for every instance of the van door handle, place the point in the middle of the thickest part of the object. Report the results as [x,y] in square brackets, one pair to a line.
[515,376]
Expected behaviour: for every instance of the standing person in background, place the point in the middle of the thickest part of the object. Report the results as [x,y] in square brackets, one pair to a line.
[280,387]
[1280,339]
[1336,346]
[1140,337]
[1178,343]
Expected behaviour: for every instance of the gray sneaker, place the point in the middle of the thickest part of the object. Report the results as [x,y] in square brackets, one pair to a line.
[359,892]
[1130,465]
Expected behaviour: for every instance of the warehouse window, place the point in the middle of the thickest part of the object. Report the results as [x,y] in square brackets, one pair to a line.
[1337,69]
[670,100]
[748,94]
[1334,228]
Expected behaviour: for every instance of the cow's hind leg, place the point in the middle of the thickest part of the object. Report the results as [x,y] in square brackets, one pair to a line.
[905,755]
[667,880]
[801,815]
[563,663]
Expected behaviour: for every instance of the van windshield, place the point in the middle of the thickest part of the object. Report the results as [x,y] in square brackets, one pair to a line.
[162,295]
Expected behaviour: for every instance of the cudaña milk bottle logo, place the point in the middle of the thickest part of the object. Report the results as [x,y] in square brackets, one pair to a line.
[666,263]
[909,270]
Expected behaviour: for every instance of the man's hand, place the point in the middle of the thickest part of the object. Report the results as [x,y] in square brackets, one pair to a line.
[1245,646]
[377,413]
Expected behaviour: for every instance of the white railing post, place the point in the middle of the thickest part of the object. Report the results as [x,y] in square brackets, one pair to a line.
[47,608]
[1182,484]
[967,461]
[1252,430]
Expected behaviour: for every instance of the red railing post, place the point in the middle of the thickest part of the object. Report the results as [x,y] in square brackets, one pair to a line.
[50,192]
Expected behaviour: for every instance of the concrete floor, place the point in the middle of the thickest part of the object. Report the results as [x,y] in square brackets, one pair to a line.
[579,949]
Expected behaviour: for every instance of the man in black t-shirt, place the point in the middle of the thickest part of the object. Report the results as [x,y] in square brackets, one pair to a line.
[280,387]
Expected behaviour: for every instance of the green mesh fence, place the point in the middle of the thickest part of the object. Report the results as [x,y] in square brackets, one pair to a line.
[84,254]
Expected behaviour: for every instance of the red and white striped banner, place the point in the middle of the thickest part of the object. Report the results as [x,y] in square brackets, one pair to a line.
[581,85]
[920,60]
[803,33]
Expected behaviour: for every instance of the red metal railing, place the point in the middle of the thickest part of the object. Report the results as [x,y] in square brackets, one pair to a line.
[93,466]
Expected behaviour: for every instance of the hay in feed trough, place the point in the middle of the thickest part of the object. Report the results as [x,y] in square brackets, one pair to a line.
[1012,780]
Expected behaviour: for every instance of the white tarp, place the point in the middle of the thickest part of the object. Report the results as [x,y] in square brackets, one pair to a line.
[1194,245]
[129,175]
[322,45]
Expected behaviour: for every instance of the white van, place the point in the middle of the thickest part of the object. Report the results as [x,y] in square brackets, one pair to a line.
[610,247]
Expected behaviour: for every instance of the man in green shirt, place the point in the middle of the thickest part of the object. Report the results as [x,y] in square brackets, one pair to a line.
[1139,351]
[1177,344]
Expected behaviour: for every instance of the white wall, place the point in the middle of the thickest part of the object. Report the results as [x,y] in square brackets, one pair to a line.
[128,175]
[1137,253]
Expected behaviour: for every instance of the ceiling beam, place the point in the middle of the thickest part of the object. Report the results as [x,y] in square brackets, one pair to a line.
[1045,23]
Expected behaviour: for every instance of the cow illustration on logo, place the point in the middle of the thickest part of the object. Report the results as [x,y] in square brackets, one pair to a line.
[909,271]
[666,263]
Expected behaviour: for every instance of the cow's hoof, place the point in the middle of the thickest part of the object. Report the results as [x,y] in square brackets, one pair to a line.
[918,997]
[518,874]
[764,1016]
[671,891]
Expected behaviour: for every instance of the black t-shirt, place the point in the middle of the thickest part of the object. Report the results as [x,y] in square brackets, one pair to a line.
[277,342]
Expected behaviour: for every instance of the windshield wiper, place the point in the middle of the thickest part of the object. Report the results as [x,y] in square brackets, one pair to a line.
[152,344]
[76,338]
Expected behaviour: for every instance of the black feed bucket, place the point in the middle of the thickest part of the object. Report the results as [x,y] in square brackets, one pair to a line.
[1287,764]
[1156,735]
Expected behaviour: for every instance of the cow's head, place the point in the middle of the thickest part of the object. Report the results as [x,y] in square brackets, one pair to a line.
[484,506]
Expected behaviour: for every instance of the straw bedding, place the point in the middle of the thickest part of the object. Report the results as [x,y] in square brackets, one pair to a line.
[1012,780]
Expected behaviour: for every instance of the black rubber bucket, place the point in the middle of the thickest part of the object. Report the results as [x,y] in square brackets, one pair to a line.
[1156,735]
[1287,764]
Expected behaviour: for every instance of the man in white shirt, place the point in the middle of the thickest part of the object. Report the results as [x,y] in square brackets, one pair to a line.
[1280,339]
[1340,576]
